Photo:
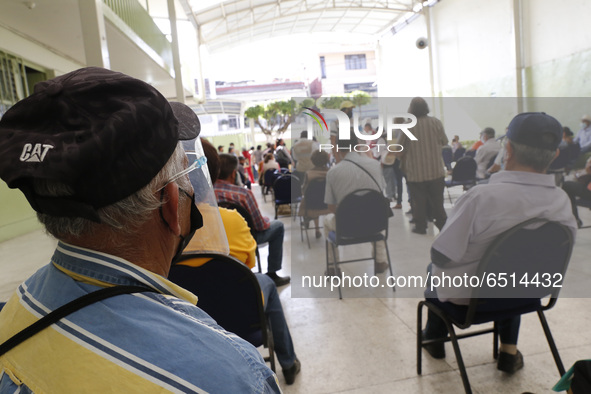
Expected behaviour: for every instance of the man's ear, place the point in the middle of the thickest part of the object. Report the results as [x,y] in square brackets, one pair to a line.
[170,208]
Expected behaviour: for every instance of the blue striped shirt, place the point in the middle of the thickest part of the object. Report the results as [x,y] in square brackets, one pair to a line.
[146,342]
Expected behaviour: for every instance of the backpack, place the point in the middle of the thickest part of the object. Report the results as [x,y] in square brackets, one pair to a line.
[282,158]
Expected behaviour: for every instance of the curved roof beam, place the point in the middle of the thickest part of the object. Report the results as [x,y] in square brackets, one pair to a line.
[235,22]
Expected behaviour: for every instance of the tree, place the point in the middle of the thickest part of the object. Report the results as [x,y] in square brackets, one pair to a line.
[332,102]
[274,118]
[359,98]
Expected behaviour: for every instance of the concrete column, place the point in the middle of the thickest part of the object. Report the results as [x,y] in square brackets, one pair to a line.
[519,53]
[176,58]
[200,80]
[94,35]
[427,13]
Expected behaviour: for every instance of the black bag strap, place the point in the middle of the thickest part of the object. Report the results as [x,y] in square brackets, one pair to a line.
[367,172]
[67,309]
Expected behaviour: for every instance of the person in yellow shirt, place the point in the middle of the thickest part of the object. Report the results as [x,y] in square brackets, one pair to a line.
[242,247]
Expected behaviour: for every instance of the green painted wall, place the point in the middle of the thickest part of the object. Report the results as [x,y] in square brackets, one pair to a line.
[16,216]
[561,87]
[565,77]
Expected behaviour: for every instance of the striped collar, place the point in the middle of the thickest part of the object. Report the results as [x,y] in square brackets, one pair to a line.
[105,270]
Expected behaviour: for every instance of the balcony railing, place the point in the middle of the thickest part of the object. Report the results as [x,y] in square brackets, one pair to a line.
[137,18]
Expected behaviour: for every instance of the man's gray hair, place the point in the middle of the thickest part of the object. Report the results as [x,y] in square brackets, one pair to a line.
[536,158]
[124,216]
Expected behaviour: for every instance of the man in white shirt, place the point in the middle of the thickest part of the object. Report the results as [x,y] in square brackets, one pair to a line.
[522,192]
[486,152]
[584,135]
[354,171]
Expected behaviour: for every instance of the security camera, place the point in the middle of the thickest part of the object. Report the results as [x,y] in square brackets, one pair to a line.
[422,43]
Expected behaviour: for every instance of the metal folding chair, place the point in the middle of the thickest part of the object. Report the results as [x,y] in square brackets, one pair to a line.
[361,217]
[521,252]
[230,293]
[463,174]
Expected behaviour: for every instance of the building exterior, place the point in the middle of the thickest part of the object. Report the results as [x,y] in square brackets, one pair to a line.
[348,70]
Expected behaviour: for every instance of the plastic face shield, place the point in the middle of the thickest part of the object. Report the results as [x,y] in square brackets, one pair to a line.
[211,238]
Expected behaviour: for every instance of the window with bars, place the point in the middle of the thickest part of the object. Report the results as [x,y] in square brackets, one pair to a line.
[233,122]
[355,62]
[12,88]
[16,80]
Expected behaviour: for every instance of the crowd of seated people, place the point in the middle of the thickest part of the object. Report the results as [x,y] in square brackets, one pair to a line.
[513,164]
[131,226]
[490,159]
[524,154]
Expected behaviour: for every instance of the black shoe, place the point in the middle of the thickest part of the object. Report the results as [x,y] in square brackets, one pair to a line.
[380,267]
[279,280]
[510,363]
[436,350]
[419,231]
[409,212]
[579,223]
[290,373]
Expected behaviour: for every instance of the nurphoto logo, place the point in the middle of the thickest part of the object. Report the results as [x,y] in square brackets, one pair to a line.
[393,122]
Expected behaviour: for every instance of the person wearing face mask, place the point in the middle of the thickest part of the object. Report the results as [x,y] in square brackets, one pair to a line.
[584,135]
[521,192]
[98,156]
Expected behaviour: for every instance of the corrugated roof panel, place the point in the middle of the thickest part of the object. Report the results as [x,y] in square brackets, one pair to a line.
[234,22]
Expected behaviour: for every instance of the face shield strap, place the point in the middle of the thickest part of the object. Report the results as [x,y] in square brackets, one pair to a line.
[212,237]
[196,222]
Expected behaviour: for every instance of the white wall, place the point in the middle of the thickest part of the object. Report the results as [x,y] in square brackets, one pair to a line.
[473,41]
[555,29]
[41,55]
[403,69]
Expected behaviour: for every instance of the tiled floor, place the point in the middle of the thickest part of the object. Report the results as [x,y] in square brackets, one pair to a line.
[365,344]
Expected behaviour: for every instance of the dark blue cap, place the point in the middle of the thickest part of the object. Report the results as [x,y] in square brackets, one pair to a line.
[535,129]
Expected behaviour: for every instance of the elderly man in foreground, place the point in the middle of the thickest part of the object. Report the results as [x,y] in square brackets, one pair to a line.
[523,191]
[97,155]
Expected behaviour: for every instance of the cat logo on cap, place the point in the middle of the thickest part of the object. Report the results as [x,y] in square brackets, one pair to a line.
[35,154]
